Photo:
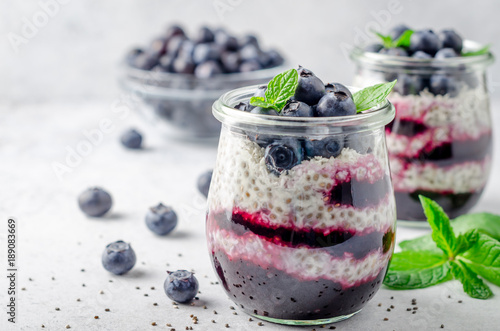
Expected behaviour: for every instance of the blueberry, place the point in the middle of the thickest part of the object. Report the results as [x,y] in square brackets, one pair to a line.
[283,155]
[132,55]
[248,40]
[204,181]
[244,106]
[161,219]
[443,85]
[361,142]
[183,65]
[396,51]
[225,40]
[230,61]
[421,55]
[335,104]
[174,30]
[250,52]
[297,109]
[451,39]
[409,85]
[374,48]
[310,88]
[146,61]
[326,147]
[167,62]
[95,202]
[186,48]
[426,41]
[205,35]
[206,52]
[337,87]
[181,286]
[250,65]
[158,46]
[274,59]
[397,31]
[445,53]
[264,111]
[118,257]
[131,139]
[261,91]
[174,45]
[208,69]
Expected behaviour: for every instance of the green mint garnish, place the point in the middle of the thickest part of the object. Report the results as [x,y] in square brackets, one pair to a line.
[402,41]
[483,222]
[481,51]
[371,96]
[281,88]
[466,257]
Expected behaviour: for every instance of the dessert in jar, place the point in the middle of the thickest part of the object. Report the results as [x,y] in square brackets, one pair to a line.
[440,141]
[301,212]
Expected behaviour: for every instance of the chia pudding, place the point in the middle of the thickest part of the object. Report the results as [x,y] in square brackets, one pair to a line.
[311,242]
[440,142]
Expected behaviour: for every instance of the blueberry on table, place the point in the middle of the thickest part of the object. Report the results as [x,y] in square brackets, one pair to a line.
[297,109]
[373,48]
[396,51]
[95,202]
[445,53]
[264,111]
[443,85]
[207,69]
[181,286]
[310,88]
[421,55]
[161,219]
[337,87]
[451,39]
[426,41]
[118,257]
[131,139]
[283,155]
[203,182]
[335,104]
[397,31]
[326,147]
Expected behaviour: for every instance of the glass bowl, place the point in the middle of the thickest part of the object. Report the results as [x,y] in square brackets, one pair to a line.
[180,105]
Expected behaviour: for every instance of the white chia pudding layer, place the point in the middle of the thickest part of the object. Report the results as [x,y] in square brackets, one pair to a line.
[298,198]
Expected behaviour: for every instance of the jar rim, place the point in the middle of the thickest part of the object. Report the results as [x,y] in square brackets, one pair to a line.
[408,63]
[223,109]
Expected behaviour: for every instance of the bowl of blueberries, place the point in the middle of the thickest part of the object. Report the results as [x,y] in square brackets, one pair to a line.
[175,80]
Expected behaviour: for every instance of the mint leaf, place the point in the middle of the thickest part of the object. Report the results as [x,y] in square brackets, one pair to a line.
[480,51]
[404,39]
[442,232]
[484,258]
[473,285]
[281,88]
[484,222]
[371,96]
[465,242]
[386,40]
[411,270]
[259,102]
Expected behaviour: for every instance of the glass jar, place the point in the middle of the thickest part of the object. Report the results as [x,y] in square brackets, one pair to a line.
[301,213]
[440,142]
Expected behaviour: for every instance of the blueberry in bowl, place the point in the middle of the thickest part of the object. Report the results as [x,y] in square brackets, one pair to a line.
[301,198]
[177,77]
[442,111]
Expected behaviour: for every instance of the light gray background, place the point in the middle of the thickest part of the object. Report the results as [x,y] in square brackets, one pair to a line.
[75,54]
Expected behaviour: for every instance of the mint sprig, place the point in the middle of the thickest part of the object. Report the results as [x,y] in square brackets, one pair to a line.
[481,51]
[401,41]
[371,96]
[281,88]
[466,257]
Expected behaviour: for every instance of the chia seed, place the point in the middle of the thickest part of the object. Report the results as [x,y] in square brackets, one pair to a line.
[386,319]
